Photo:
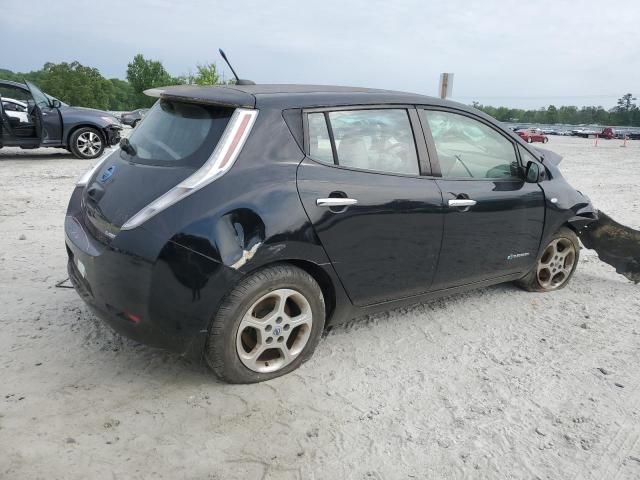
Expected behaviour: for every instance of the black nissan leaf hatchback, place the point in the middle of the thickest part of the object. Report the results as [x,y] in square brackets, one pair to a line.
[236,221]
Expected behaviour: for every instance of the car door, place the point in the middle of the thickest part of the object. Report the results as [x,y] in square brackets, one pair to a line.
[3,132]
[7,126]
[494,219]
[363,187]
[47,117]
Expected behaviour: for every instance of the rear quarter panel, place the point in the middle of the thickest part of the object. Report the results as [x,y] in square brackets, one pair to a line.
[252,216]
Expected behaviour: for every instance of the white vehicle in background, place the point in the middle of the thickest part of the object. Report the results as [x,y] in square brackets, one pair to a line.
[16,109]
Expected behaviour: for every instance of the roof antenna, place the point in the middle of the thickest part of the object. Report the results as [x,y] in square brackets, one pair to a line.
[239,81]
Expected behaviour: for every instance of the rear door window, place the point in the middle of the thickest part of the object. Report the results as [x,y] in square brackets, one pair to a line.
[177,134]
[319,139]
[374,139]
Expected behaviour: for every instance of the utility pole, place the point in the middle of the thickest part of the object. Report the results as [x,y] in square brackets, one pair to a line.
[446,85]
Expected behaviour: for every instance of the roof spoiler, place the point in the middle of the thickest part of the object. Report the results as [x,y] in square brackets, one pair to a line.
[215,95]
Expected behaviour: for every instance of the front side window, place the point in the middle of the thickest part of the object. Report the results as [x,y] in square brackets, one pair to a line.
[468,148]
[39,97]
[379,140]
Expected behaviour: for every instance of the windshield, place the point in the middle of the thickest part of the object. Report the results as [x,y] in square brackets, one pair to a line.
[177,134]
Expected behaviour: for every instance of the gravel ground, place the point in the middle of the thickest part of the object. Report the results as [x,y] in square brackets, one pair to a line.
[496,383]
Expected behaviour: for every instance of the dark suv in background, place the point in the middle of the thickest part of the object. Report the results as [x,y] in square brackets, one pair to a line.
[237,220]
[48,122]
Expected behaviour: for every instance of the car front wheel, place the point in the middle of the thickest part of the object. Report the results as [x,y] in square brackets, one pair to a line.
[86,143]
[556,265]
[529,140]
[268,326]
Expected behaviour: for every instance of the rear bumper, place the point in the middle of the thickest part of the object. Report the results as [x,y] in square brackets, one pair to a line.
[115,286]
[120,320]
[151,290]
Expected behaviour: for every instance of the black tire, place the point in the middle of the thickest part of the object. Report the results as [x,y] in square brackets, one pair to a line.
[135,124]
[86,143]
[531,281]
[545,140]
[221,351]
[529,140]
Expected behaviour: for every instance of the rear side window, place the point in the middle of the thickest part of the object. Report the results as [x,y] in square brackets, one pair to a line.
[468,148]
[319,140]
[379,140]
[177,134]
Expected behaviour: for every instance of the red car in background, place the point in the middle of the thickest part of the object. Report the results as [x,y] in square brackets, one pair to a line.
[531,135]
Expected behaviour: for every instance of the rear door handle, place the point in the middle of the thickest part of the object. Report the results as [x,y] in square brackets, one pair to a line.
[335,202]
[461,202]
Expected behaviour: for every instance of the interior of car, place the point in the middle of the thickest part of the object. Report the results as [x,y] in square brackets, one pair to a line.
[13,124]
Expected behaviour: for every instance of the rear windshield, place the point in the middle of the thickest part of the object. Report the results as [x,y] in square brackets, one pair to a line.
[177,134]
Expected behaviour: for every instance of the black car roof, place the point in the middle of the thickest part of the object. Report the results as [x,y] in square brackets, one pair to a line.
[292,96]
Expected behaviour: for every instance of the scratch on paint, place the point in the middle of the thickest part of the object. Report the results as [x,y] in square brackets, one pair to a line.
[246,256]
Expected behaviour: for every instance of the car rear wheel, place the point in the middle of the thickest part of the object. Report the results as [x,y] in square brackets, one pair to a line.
[545,140]
[267,326]
[135,123]
[86,143]
[556,265]
[529,140]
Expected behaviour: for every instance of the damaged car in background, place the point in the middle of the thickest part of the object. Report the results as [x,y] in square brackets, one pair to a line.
[236,221]
[29,118]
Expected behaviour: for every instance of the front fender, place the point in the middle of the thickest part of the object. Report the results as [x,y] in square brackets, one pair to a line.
[564,204]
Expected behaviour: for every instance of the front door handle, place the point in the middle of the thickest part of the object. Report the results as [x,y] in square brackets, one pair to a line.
[335,202]
[461,202]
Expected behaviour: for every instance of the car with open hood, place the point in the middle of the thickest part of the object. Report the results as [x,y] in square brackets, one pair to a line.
[238,220]
[29,118]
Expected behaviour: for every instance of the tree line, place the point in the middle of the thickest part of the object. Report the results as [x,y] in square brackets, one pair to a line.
[77,84]
[625,113]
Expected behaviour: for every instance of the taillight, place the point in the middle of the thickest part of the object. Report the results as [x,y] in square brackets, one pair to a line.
[220,161]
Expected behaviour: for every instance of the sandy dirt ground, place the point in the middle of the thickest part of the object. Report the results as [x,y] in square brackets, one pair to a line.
[496,383]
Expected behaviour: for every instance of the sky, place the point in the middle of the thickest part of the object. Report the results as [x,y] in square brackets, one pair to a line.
[503,52]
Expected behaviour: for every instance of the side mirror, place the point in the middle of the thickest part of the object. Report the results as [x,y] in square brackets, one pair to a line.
[533,173]
[55,103]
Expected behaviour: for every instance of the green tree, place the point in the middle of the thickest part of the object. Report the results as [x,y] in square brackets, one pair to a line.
[122,95]
[76,84]
[143,74]
[207,75]
[625,103]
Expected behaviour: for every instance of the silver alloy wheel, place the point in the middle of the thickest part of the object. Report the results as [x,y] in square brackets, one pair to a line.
[274,330]
[89,143]
[556,264]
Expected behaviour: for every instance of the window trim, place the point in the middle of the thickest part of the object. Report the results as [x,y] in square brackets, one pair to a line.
[422,152]
[432,146]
